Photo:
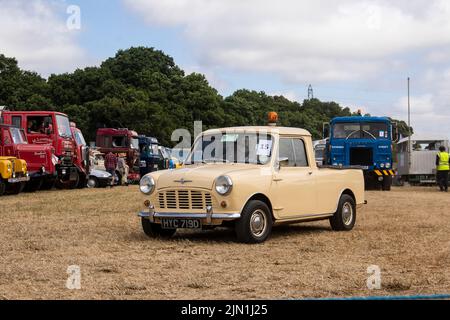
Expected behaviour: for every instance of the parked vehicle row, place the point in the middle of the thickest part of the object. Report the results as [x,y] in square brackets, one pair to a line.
[57,155]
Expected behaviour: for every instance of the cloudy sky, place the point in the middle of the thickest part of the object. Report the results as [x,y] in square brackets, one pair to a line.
[358,53]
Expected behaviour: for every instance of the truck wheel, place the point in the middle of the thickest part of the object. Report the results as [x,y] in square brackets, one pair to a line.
[155,230]
[48,184]
[33,185]
[15,188]
[82,181]
[67,184]
[255,224]
[387,183]
[345,217]
[92,182]
[2,187]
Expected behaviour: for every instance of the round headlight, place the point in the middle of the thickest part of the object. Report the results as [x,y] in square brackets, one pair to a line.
[381,165]
[388,165]
[147,185]
[224,185]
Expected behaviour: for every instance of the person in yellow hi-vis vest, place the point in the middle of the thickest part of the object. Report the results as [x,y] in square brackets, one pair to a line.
[443,167]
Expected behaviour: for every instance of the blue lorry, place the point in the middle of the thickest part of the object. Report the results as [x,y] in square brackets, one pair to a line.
[366,142]
[150,159]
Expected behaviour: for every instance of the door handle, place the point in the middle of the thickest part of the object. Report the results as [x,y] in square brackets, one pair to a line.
[310,173]
[277,179]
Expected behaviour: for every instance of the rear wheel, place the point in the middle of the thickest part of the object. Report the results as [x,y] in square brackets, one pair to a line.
[345,217]
[155,230]
[256,222]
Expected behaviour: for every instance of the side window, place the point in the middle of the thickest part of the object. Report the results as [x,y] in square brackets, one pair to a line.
[287,151]
[17,121]
[294,150]
[38,124]
[300,153]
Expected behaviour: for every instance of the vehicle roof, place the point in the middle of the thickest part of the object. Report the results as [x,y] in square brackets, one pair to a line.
[416,137]
[116,131]
[360,119]
[268,129]
[34,112]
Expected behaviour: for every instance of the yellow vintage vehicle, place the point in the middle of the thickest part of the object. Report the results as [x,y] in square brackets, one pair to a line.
[13,175]
[250,178]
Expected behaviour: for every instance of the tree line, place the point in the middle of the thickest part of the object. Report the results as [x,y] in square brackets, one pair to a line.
[144,90]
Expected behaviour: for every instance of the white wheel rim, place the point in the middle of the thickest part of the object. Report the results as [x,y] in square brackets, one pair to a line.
[347,213]
[258,223]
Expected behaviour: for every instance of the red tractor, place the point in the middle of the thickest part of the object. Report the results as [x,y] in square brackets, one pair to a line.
[121,142]
[40,159]
[50,128]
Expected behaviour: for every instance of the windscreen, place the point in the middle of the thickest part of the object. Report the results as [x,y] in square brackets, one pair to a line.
[18,136]
[366,130]
[63,126]
[79,138]
[247,148]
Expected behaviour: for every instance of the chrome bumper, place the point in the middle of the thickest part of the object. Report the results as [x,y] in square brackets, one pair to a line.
[209,215]
[17,180]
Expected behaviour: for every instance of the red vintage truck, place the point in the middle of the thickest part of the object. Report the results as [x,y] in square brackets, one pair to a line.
[48,128]
[40,159]
[121,142]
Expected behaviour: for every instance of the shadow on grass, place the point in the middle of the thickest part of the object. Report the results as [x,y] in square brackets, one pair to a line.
[227,235]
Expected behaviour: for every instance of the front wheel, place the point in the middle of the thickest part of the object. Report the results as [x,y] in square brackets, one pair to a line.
[2,187]
[255,224]
[345,217]
[387,183]
[92,182]
[155,230]
[15,188]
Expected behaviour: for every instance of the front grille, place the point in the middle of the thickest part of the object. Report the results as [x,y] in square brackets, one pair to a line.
[184,199]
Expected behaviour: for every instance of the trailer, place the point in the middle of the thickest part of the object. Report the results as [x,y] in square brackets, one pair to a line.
[421,169]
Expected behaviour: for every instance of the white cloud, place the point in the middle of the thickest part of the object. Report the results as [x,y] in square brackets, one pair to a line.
[323,40]
[34,33]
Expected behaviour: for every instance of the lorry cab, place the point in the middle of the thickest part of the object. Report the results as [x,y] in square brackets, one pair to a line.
[150,158]
[40,159]
[49,128]
[121,141]
[366,142]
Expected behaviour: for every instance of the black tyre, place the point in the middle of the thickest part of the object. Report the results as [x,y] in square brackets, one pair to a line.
[67,184]
[82,181]
[15,188]
[2,187]
[255,224]
[92,182]
[155,230]
[387,183]
[33,185]
[345,217]
[48,184]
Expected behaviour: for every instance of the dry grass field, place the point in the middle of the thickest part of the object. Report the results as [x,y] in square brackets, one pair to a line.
[405,232]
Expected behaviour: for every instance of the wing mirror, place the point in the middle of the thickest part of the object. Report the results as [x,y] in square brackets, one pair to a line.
[282,162]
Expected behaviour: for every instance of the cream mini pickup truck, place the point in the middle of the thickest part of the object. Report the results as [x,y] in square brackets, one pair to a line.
[250,178]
